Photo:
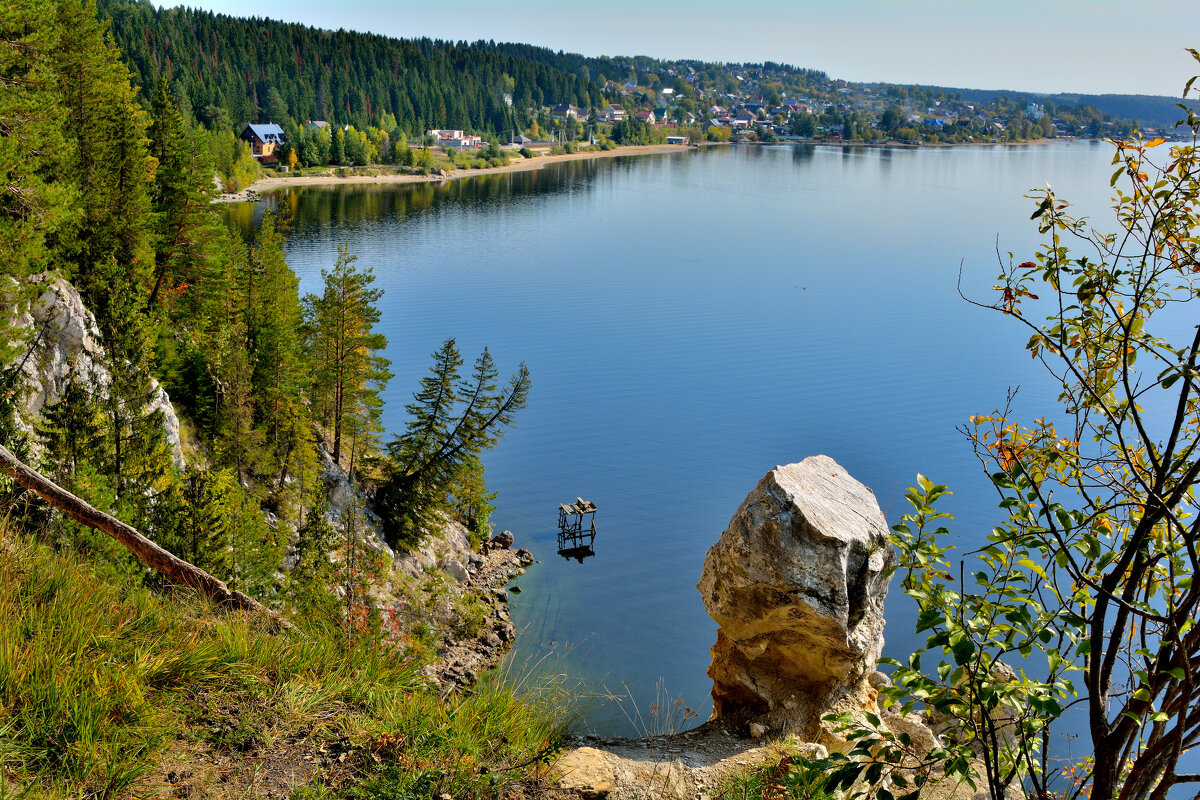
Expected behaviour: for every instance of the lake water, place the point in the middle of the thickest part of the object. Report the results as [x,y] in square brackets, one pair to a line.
[691,320]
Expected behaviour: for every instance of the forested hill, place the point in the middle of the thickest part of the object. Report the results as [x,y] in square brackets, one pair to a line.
[232,70]
[1146,109]
[646,70]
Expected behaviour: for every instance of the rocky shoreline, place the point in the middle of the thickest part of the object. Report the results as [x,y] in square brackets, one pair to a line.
[430,585]
[463,659]
[796,584]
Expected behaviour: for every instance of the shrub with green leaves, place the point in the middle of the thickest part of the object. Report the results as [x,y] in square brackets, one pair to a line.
[1084,593]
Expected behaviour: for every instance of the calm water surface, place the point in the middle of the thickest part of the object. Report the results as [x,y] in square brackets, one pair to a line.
[690,321]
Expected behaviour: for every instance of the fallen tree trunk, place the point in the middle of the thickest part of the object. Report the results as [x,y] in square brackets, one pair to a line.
[168,564]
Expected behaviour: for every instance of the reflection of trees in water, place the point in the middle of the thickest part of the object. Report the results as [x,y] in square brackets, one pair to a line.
[319,207]
[803,153]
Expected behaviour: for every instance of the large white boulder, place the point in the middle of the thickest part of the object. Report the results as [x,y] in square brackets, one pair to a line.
[797,584]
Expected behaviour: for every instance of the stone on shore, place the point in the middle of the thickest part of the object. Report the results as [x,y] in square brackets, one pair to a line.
[796,584]
[585,772]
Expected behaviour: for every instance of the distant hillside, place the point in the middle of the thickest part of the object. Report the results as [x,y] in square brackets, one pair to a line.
[1154,110]
[232,70]
[228,70]
[643,70]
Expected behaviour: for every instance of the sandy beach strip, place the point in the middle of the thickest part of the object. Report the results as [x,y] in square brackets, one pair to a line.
[518,164]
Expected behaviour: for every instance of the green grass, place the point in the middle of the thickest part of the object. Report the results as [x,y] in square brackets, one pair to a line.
[792,777]
[98,681]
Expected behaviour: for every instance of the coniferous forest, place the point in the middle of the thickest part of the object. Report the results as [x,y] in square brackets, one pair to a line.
[113,193]
[229,71]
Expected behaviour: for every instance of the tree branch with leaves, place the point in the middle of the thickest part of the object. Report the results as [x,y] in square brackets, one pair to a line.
[1092,574]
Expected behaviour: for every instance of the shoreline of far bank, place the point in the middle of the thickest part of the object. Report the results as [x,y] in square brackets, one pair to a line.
[264,185]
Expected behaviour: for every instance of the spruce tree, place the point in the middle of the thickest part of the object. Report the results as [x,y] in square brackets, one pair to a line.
[38,203]
[71,432]
[111,252]
[193,519]
[337,150]
[433,465]
[185,226]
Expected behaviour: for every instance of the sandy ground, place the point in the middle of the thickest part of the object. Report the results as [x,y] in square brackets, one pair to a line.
[518,164]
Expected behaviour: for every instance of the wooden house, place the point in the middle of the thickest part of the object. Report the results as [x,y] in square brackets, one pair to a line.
[264,140]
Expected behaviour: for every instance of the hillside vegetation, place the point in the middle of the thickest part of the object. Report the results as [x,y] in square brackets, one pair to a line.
[232,70]
[109,691]
[119,279]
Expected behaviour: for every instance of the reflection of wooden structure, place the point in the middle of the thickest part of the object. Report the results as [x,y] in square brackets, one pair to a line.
[577,529]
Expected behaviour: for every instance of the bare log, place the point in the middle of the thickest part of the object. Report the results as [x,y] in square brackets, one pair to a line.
[168,564]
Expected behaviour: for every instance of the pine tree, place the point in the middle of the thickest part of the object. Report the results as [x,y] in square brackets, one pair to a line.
[348,372]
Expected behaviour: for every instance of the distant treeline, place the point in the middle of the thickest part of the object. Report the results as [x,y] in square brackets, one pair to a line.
[647,71]
[1147,109]
[227,70]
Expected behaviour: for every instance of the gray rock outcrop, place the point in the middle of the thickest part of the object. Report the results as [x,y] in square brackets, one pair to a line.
[796,584]
[66,346]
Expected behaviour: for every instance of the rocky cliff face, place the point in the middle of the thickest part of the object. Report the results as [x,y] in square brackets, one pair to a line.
[797,584]
[66,346]
[443,577]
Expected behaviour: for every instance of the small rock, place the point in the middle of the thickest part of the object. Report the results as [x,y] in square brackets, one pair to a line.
[524,557]
[455,569]
[757,730]
[502,540]
[586,772]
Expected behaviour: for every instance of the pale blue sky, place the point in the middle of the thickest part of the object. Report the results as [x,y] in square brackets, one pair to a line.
[1093,46]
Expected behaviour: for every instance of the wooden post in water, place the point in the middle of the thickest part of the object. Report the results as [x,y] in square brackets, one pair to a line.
[575,540]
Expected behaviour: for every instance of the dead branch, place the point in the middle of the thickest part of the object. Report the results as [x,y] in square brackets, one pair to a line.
[169,565]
